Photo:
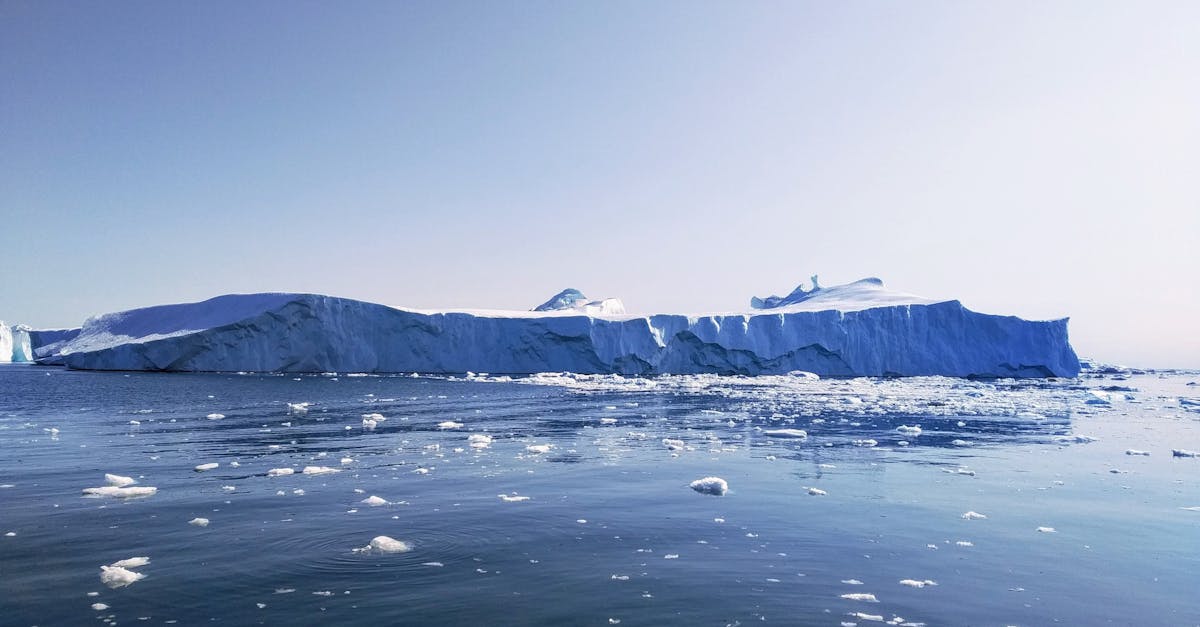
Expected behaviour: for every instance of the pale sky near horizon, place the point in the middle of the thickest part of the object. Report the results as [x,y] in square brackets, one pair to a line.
[1040,159]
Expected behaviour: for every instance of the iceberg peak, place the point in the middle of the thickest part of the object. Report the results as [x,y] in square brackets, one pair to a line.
[572,299]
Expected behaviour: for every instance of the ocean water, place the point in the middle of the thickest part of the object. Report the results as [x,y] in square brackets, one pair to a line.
[1070,530]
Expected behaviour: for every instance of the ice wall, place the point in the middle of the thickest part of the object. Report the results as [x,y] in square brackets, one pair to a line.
[6,343]
[22,347]
[312,333]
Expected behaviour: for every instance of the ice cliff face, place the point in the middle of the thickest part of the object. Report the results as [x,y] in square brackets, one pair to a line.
[15,343]
[311,333]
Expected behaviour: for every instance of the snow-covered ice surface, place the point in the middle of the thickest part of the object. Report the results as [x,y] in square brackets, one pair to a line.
[855,329]
[560,517]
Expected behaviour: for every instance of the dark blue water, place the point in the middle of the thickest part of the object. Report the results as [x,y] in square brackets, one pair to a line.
[611,531]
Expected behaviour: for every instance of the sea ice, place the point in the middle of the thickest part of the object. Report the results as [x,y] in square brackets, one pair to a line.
[116,576]
[99,607]
[539,448]
[374,501]
[1047,530]
[816,492]
[199,522]
[917,583]
[512,498]
[208,466]
[123,493]
[860,596]
[385,544]
[118,480]
[865,443]
[320,470]
[973,516]
[279,472]
[298,408]
[450,424]
[715,486]
[215,416]
[786,433]
[907,430]
[479,440]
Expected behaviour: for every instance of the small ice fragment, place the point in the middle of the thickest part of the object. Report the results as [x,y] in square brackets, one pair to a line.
[279,472]
[320,470]
[347,460]
[1047,530]
[118,576]
[435,564]
[199,522]
[539,448]
[865,443]
[512,498]
[133,562]
[11,534]
[852,582]
[671,556]
[99,607]
[135,422]
[715,486]
[229,488]
[673,445]
[1134,451]
[384,544]
[215,416]
[123,493]
[374,501]
[917,583]
[608,421]
[973,516]
[959,443]
[450,424]
[964,543]
[860,596]
[323,593]
[786,433]
[298,408]
[907,430]
[582,521]
[421,471]
[208,466]
[875,618]
[118,480]
[1179,452]
[261,605]
[619,577]
[817,492]
[479,440]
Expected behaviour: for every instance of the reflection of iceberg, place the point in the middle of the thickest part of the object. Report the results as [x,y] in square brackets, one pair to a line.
[850,330]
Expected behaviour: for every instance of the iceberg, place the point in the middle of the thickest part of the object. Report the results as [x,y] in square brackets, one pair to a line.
[574,300]
[858,329]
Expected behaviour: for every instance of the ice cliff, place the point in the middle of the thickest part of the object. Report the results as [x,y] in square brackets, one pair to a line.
[15,343]
[858,329]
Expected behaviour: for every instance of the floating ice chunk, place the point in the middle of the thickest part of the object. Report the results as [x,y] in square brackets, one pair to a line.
[208,466]
[99,607]
[817,492]
[917,583]
[1179,452]
[229,488]
[215,416]
[786,433]
[199,522]
[421,471]
[132,562]
[673,445]
[375,417]
[1134,451]
[368,423]
[385,544]
[959,443]
[298,408]
[320,470]
[279,472]
[964,543]
[479,440]
[512,498]
[1047,530]
[608,421]
[1074,439]
[539,448]
[434,564]
[852,582]
[865,443]
[715,486]
[373,501]
[118,576]
[671,556]
[860,596]
[619,577]
[118,480]
[347,460]
[907,430]
[973,516]
[875,618]
[121,493]
[450,424]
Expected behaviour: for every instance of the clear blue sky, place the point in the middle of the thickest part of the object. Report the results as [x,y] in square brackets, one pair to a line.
[1033,158]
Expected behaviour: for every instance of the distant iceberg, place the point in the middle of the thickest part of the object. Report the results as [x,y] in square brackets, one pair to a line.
[858,329]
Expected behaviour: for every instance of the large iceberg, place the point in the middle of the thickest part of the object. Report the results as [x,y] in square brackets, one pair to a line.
[859,329]
[15,343]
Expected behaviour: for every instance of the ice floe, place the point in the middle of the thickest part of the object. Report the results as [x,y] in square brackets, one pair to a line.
[539,448]
[121,574]
[199,522]
[121,493]
[118,480]
[917,583]
[973,516]
[279,472]
[860,596]
[512,498]
[385,544]
[715,486]
[208,466]
[215,416]
[450,424]
[786,433]
[1047,530]
[907,430]
[817,492]
[320,470]
[374,501]
[479,440]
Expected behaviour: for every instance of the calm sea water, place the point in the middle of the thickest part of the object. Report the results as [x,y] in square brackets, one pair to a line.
[611,531]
